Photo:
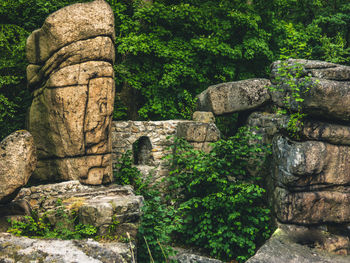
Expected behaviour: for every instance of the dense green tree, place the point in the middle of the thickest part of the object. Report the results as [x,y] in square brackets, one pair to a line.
[169,50]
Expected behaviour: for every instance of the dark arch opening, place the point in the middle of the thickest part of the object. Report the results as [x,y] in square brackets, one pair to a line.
[142,151]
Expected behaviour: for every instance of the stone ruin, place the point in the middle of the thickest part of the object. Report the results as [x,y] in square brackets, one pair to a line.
[72,81]
[149,141]
[71,77]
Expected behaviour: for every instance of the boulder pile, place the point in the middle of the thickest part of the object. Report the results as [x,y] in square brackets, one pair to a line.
[309,175]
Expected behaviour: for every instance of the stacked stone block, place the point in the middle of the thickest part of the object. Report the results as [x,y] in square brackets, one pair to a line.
[309,175]
[72,81]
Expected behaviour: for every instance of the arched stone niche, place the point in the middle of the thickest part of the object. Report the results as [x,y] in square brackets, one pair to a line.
[142,151]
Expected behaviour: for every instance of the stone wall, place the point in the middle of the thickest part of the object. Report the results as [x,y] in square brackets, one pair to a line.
[151,140]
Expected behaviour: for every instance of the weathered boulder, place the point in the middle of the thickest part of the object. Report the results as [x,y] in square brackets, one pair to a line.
[100,206]
[70,24]
[314,207]
[328,91]
[280,248]
[72,79]
[17,163]
[234,96]
[203,116]
[310,165]
[22,249]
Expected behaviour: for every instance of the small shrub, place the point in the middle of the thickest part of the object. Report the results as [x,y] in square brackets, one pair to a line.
[292,79]
[155,227]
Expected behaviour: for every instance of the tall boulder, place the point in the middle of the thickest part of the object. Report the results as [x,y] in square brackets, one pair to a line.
[71,77]
[17,163]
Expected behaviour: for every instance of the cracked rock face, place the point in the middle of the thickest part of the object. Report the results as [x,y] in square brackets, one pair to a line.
[235,96]
[71,76]
[329,95]
[17,163]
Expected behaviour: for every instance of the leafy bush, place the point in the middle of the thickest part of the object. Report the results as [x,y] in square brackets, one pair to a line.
[292,80]
[218,206]
[154,231]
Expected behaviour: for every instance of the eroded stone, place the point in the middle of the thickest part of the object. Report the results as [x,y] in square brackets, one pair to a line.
[234,96]
[70,24]
[17,163]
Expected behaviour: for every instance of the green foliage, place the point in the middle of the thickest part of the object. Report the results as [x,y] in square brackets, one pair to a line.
[218,206]
[227,124]
[127,174]
[12,71]
[169,50]
[155,224]
[292,80]
[65,228]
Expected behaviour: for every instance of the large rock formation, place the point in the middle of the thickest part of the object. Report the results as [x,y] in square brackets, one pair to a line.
[309,176]
[100,206]
[17,163]
[71,76]
[328,96]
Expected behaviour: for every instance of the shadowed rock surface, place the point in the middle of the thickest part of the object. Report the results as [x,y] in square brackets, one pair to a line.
[280,248]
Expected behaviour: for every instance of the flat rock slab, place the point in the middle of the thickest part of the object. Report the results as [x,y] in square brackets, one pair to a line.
[235,96]
[100,206]
[317,69]
[21,249]
[280,249]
